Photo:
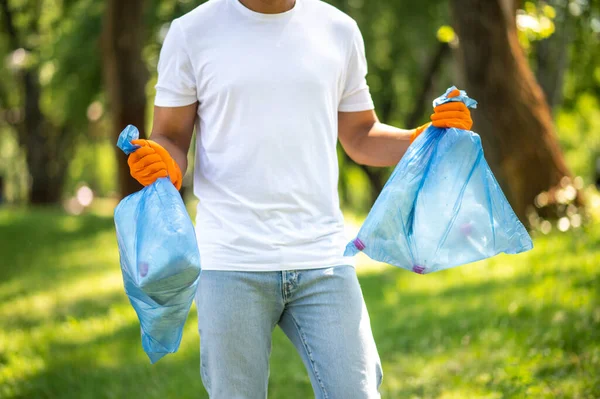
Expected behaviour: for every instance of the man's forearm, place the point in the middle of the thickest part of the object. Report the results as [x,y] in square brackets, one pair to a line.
[383,145]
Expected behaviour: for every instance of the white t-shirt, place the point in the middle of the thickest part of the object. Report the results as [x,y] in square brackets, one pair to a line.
[269,88]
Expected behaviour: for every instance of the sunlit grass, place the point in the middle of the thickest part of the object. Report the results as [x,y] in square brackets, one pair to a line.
[511,327]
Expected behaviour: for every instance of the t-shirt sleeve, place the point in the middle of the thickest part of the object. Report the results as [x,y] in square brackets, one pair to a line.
[176,85]
[356,96]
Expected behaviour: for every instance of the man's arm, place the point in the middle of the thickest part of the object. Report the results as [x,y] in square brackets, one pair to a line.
[173,128]
[370,142]
[166,153]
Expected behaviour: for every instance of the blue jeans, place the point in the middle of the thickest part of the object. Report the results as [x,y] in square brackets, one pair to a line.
[322,312]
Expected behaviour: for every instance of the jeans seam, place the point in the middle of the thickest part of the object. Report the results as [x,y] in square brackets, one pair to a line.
[204,374]
[283,286]
[313,366]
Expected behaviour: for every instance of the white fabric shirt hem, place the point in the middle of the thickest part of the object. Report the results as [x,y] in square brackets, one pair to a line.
[177,101]
[342,261]
[357,107]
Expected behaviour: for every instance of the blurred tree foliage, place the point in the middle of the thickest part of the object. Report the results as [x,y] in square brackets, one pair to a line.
[562,40]
[49,55]
[409,48]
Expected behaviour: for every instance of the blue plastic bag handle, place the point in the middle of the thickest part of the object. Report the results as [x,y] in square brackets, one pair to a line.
[127,135]
[443,99]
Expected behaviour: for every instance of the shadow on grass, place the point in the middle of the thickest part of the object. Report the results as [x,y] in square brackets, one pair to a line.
[414,324]
[464,310]
[78,310]
[463,321]
[481,326]
[113,366]
[33,242]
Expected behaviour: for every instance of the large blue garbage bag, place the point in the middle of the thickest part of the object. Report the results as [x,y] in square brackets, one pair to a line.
[159,259]
[441,207]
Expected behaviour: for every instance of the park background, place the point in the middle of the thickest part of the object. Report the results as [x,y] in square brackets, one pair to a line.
[75,72]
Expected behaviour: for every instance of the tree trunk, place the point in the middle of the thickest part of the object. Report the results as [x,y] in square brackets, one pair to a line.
[513,117]
[125,75]
[552,56]
[47,148]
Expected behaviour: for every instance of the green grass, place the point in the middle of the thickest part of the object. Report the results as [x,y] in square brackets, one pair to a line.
[513,327]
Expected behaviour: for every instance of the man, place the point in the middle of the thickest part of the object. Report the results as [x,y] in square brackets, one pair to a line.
[272,85]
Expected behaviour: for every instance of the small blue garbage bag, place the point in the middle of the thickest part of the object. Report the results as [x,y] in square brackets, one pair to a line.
[159,259]
[441,207]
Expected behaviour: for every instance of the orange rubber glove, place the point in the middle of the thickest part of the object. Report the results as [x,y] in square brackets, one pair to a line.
[452,114]
[151,161]
[417,132]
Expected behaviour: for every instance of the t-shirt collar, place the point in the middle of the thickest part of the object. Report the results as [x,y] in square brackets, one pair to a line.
[265,17]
